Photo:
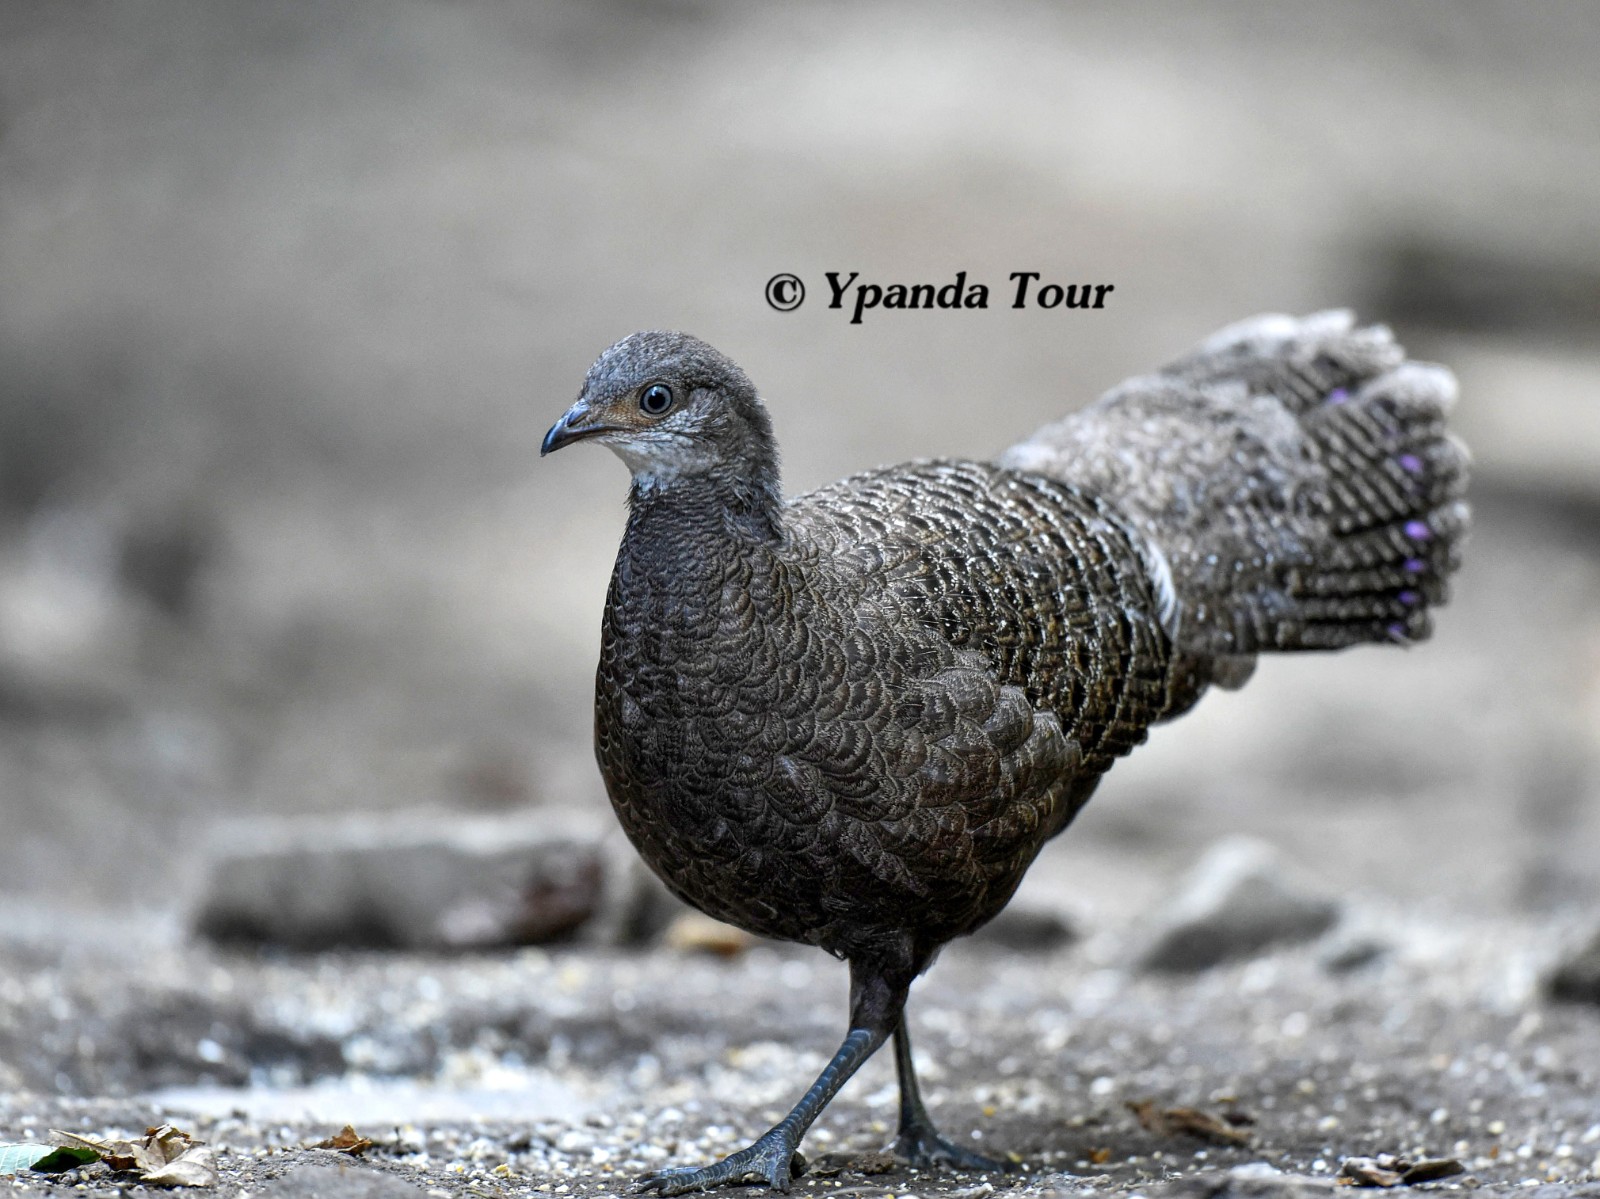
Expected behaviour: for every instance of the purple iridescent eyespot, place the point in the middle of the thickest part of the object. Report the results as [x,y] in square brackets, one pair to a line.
[1411,464]
[1409,597]
[1415,566]
[1337,396]
[1418,530]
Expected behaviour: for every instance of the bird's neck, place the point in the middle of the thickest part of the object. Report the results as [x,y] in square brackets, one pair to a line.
[703,510]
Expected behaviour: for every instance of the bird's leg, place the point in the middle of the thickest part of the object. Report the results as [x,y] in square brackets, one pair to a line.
[875,1005]
[918,1142]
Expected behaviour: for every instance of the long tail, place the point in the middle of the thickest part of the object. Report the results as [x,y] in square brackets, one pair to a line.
[1294,478]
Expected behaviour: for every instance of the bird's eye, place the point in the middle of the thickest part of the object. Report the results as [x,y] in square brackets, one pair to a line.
[655,399]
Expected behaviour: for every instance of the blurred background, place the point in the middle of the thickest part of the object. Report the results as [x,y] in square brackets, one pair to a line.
[289,293]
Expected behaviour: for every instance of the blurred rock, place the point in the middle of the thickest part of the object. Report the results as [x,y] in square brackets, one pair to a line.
[422,881]
[1363,938]
[162,560]
[643,909]
[1577,977]
[1353,951]
[1241,897]
[693,932]
[67,634]
[1027,927]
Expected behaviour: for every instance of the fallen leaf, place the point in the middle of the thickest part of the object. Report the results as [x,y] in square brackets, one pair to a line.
[1206,1126]
[1431,1169]
[346,1140]
[1099,1157]
[1370,1171]
[191,1168]
[1389,1170]
[1148,1115]
[165,1156]
[42,1158]
[104,1150]
[1175,1121]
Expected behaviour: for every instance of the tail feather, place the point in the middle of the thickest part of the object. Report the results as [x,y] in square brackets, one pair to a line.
[1392,503]
[1296,477]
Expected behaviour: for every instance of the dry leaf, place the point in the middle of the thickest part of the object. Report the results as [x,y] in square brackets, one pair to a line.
[1147,1114]
[1099,1157]
[1206,1126]
[1431,1169]
[346,1140]
[116,1154]
[165,1156]
[1388,1170]
[1370,1171]
[1174,1121]
[191,1168]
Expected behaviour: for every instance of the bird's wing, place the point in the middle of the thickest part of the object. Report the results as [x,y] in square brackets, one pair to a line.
[990,643]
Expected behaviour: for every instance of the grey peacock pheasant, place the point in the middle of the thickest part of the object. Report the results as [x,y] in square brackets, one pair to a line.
[852,718]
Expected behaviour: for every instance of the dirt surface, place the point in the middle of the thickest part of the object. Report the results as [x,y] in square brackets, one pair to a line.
[574,1072]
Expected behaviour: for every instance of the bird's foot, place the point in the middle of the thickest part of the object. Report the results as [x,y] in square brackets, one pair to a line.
[921,1145]
[773,1160]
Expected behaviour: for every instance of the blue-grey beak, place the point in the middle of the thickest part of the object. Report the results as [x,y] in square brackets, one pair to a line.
[571,428]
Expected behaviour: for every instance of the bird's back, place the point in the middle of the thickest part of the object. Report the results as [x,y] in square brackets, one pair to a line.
[1043,586]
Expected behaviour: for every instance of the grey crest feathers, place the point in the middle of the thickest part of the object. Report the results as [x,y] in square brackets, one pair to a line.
[641,358]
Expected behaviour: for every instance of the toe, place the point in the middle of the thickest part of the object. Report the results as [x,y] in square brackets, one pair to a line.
[769,1163]
[928,1149]
[670,1182]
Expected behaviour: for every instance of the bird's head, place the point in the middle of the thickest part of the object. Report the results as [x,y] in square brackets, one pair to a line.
[672,408]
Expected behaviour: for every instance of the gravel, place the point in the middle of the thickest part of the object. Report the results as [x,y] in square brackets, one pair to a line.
[572,1071]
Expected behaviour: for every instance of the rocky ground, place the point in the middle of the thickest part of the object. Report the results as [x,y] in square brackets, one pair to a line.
[575,1070]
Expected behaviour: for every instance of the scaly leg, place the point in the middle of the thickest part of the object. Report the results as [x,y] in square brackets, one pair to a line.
[918,1141]
[875,1005]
